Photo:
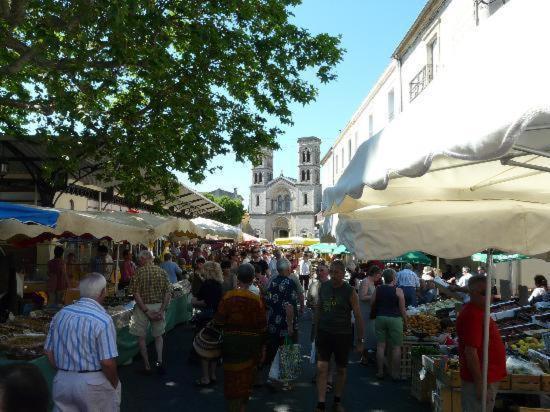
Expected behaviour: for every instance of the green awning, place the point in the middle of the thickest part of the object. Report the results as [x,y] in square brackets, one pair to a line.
[498,257]
[412,257]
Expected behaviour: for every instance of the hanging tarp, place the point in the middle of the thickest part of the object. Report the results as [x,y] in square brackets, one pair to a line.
[28,214]
[463,137]
[295,241]
[499,257]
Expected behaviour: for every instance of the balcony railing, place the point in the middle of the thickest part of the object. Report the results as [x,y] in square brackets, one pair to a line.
[420,81]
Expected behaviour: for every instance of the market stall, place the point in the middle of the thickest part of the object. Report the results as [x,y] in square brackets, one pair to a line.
[22,338]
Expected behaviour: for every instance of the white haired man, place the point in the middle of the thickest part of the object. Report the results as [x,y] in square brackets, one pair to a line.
[152,291]
[81,345]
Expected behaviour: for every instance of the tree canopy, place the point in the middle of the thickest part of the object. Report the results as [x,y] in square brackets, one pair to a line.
[234,210]
[144,88]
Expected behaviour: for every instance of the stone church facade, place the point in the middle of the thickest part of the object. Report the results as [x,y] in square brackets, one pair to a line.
[284,206]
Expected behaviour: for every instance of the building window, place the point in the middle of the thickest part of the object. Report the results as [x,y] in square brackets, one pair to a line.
[305,198]
[308,176]
[432,58]
[270,177]
[304,156]
[71,204]
[391,101]
[257,200]
[255,178]
[279,203]
[303,175]
[259,178]
[308,156]
[371,125]
[287,203]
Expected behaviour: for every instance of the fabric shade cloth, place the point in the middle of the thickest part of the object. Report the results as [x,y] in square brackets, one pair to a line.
[253,239]
[296,241]
[412,257]
[448,229]
[118,226]
[217,229]
[459,138]
[28,214]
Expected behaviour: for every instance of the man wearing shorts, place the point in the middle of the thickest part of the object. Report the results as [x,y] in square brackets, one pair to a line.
[152,291]
[337,299]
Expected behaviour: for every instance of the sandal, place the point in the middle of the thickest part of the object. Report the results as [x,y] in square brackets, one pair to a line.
[199,383]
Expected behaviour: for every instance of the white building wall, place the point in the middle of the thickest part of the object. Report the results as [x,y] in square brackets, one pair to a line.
[454,20]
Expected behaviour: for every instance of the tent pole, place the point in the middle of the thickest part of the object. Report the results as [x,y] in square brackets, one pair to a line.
[437,262]
[487,318]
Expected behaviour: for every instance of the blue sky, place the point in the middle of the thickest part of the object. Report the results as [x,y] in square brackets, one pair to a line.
[371,30]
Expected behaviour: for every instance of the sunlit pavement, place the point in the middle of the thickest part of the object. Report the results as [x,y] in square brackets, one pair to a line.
[175,391]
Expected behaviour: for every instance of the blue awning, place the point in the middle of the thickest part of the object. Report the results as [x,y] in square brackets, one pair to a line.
[28,214]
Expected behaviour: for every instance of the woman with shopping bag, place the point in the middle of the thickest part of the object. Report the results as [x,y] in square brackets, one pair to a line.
[281,301]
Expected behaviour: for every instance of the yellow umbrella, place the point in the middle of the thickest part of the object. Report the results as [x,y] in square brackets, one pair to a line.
[295,241]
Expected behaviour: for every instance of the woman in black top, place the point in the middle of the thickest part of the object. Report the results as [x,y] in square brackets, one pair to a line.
[207,299]
[391,320]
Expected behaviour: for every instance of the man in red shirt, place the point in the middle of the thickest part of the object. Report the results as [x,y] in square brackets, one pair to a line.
[469,327]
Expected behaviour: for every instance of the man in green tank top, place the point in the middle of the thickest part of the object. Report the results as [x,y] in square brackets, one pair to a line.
[337,299]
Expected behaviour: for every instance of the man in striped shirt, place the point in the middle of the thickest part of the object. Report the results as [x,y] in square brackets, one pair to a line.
[81,345]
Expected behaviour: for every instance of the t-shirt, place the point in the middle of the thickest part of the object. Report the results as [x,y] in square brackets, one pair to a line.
[469,328]
[335,308]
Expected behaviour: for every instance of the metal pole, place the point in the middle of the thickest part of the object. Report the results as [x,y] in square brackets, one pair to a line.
[437,262]
[486,322]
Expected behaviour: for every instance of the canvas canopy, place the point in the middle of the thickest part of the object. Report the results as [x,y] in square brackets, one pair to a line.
[28,214]
[119,226]
[480,130]
[217,229]
[448,229]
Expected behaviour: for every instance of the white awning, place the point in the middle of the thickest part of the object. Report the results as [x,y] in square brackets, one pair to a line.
[217,229]
[119,226]
[448,229]
[486,111]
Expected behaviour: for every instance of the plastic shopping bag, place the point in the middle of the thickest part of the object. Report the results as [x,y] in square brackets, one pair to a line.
[290,361]
[313,354]
[275,370]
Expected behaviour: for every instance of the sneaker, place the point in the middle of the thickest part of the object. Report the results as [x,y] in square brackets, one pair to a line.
[160,368]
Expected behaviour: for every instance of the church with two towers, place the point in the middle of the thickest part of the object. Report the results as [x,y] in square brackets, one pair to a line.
[284,206]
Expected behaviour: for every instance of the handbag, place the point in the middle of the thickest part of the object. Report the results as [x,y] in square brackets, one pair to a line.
[208,342]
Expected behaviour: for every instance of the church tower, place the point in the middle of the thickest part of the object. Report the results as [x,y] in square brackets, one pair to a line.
[309,178]
[262,174]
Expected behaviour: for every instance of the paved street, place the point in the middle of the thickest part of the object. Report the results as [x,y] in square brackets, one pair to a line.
[175,391]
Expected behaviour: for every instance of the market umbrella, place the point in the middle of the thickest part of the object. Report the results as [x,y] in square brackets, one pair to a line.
[340,250]
[507,225]
[498,257]
[217,229]
[412,257]
[295,241]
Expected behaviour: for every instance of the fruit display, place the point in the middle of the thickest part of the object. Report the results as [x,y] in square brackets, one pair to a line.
[523,345]
[23,347]
[424,324]
[439,307]
[510,322]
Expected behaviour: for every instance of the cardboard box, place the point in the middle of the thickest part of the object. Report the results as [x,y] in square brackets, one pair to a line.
[527,383]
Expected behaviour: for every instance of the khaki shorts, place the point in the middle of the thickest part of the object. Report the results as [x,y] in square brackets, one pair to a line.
[389,329]
[139,322]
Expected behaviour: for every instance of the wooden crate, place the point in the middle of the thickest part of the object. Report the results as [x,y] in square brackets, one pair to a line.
[505,384]
[527,383]
[545,383]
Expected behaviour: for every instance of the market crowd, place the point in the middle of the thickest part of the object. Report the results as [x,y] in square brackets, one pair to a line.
[247,302]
